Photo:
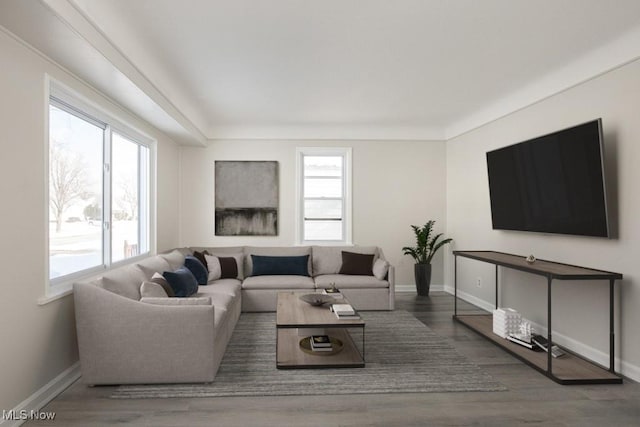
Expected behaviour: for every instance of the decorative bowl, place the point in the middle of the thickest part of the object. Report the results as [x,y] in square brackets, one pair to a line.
[317,299]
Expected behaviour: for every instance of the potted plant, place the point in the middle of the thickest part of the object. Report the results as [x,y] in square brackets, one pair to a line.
[426,247]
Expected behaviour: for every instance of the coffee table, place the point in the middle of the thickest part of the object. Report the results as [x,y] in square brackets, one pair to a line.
[295,320]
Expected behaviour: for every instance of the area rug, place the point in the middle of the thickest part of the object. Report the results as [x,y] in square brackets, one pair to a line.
[402,356]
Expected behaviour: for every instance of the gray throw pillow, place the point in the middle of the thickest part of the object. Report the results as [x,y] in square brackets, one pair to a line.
[160,280]
[380,268]
[153,290]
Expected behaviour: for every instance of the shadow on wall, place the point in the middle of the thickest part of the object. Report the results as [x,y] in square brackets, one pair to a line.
[610,153]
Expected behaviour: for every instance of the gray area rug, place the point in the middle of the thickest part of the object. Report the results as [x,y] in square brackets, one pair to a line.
[402,356]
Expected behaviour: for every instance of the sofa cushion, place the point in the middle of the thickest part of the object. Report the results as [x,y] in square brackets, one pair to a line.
[152,290]
[356,264]
[182,281]
[199,271]
[343,281]
[228,273]
[224,286]
[219,249]
[328,259]
[278,282]
[153,264]
[175,258]
[280,265]
[274,251]
[380,269]
[220,301]
[160,280]
[177,301]
[124,281]
[223,267]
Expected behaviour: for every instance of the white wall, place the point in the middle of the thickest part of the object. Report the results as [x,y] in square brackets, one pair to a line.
[395,184]
[580,308]
[38,342]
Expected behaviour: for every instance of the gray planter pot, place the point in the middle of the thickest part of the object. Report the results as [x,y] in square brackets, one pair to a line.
[423,278]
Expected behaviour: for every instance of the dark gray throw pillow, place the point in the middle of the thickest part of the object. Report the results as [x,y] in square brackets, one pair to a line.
[199,271]
[280,265]
[182,281]
[356,264]
[228,267]
[201,258]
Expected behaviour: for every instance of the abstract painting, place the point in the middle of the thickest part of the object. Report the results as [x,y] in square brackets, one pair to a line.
[246,197]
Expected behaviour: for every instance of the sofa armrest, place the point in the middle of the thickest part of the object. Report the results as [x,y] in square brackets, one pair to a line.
[123,341]
[176,301]
[391,278]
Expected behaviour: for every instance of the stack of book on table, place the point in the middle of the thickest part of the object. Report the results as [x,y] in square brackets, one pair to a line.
[320,343]
[344,311]
[524,340]
[542,343]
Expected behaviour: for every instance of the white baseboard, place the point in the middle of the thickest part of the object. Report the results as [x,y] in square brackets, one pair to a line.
[472,299]
[31,406]
[622,367]
[412,288]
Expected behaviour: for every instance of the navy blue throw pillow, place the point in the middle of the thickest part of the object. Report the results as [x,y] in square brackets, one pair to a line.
[182,281]
[280,265]
[199,271]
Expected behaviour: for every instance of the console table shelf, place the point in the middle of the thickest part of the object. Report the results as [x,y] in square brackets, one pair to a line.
[569,369]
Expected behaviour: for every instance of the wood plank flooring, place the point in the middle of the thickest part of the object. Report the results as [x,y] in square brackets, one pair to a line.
[531,399]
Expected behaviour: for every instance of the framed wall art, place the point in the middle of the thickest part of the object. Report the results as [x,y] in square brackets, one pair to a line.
[246,198]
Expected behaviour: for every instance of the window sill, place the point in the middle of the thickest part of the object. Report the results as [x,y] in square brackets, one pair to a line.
[64,288]
[54,296]
[325,243]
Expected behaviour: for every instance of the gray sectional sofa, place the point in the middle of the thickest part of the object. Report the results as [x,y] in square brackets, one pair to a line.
[125,338]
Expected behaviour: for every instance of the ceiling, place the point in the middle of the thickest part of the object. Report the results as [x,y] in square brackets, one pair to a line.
[405,69]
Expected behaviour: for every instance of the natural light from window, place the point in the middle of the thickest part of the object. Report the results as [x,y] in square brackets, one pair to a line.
[323,198]
[98,192]
[323,195]
[125,198]
[75,193]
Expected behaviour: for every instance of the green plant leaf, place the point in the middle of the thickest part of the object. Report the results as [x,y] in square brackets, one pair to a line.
[426,244]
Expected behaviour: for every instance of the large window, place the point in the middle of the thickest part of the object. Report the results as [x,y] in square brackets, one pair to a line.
[324,195]
[98,192]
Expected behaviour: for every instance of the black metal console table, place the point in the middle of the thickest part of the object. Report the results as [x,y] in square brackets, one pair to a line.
[569,369]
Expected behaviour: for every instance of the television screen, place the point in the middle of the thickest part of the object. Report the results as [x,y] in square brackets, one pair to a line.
[551,184]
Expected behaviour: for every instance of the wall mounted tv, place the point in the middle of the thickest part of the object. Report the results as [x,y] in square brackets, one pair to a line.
[551,184]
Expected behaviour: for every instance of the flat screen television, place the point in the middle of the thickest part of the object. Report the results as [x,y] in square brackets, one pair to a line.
[551,184]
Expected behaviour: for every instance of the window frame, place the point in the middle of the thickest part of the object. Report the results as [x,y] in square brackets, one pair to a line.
[346,154]
[68,100]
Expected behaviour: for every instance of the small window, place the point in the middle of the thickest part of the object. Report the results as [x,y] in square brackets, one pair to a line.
[99,182]
[324,195]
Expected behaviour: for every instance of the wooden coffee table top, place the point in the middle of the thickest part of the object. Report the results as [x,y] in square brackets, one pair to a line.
[291,312]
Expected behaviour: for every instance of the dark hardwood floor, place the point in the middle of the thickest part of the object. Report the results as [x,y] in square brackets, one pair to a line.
[531,399]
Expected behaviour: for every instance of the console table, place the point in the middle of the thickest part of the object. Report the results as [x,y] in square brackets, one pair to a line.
[569,369]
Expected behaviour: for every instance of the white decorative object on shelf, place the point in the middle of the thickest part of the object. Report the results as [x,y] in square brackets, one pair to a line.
[506,321]
[526,329]
[525,332]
